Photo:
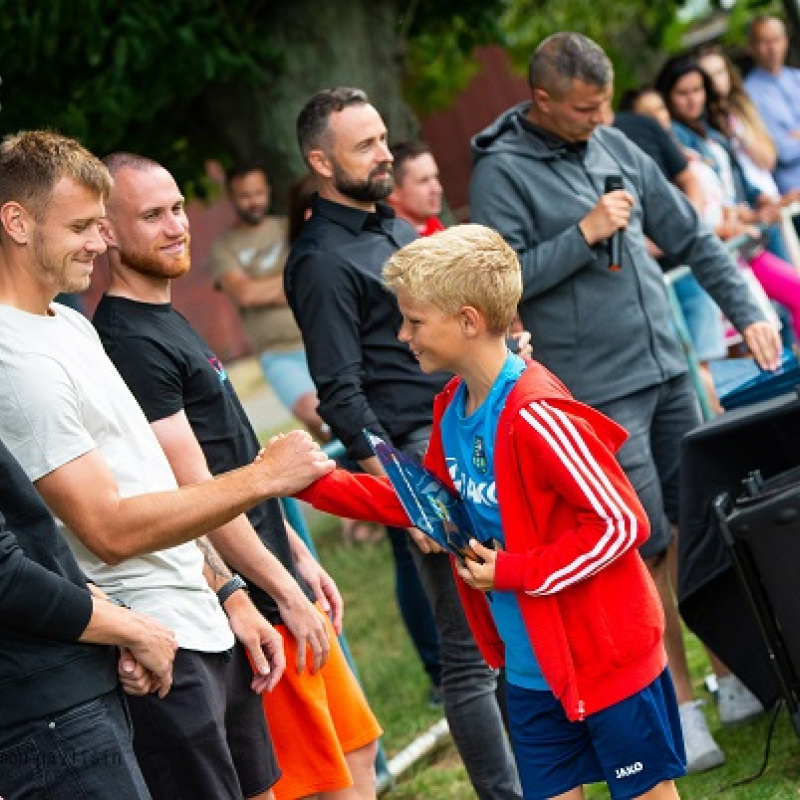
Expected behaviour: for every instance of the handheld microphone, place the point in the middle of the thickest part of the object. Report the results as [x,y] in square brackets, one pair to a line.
[613,184]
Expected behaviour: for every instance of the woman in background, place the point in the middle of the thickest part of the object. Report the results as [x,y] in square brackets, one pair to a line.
[701,124]
[749,136]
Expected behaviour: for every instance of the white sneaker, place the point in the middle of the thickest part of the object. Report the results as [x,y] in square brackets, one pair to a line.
[702,752]
[736,702]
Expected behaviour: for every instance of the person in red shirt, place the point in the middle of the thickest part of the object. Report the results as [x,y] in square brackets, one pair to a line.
[417,194]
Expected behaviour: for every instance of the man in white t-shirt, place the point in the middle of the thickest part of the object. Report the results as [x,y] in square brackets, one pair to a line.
[70,421]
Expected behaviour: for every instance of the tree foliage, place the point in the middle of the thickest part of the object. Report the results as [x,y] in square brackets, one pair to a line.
[128,75]
[633,33]
[153,76]
[438,40]
[188,80]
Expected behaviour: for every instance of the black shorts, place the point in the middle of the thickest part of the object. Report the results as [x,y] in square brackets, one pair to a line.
[208,738]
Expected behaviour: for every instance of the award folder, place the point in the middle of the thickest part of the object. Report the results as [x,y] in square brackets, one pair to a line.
[431,506]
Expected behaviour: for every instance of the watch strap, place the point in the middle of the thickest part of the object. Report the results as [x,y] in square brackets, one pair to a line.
[235,583]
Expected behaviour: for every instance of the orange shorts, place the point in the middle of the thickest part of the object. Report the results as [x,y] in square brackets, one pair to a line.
[314,720]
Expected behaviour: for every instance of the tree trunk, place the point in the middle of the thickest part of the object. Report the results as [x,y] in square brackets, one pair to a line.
[792,13]
[347,43]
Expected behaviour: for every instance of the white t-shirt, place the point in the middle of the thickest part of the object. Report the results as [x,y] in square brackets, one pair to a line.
[61,397]
[725,171]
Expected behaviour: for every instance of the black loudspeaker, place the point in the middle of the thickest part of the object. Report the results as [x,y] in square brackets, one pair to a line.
[762,531]
[713,602]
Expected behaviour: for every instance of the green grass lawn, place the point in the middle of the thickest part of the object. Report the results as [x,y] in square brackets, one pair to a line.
[396,687]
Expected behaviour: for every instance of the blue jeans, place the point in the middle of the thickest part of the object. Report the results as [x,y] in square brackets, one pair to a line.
[83,752]
[470,702]
[414,606]
[412,601]
[656,419]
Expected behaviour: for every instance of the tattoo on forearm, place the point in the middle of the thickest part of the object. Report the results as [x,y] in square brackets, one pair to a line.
[213,561]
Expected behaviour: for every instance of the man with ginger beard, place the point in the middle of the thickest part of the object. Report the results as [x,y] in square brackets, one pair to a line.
[196,416]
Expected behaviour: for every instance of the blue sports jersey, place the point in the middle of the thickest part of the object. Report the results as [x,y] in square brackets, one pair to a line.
[468,443]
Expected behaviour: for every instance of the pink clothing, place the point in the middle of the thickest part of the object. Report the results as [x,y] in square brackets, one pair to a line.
[781,282]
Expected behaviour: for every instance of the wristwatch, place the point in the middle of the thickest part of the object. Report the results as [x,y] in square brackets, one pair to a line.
[233,585]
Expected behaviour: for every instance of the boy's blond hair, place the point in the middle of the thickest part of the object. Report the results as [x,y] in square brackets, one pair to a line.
[32,162]
[466,265]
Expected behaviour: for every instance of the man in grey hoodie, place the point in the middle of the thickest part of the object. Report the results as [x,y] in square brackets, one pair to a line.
[540,179]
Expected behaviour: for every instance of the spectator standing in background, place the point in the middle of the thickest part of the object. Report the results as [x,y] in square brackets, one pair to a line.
[775,89]
[698,123]
[417,193]
[247,263]
[750,138]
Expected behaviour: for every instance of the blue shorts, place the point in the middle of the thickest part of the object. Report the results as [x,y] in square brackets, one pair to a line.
[633,745]
[288,375]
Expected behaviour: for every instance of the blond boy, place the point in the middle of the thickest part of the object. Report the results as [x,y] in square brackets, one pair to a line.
[572,614]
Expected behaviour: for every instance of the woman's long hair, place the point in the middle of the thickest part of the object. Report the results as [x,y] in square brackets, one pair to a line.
[715,113]
[738,101]
[300,204]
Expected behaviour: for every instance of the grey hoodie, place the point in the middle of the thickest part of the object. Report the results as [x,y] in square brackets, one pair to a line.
[604,334]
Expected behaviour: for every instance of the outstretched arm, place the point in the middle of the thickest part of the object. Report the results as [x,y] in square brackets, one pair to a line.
[116,528]
[241,548]
[357,497]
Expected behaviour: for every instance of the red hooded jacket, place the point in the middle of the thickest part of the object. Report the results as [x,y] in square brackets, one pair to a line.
[572,524]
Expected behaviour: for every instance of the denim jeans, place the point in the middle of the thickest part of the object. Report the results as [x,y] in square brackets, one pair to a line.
[412,601]
[83,752]
[414,606]
[656,419]
[470,702]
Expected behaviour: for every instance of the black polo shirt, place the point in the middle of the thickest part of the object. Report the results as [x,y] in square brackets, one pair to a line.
[365,377]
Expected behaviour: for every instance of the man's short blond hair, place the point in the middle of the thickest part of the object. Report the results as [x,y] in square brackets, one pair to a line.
[32,162]
[466,265]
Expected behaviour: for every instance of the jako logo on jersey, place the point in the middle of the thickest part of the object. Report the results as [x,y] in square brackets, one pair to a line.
[481,493]
[631,769]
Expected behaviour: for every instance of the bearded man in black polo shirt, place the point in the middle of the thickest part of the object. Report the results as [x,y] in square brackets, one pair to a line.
[366,378]
[184,391]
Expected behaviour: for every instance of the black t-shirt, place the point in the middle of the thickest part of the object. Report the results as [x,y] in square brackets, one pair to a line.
[45,606]
[654,140]
[169,368]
